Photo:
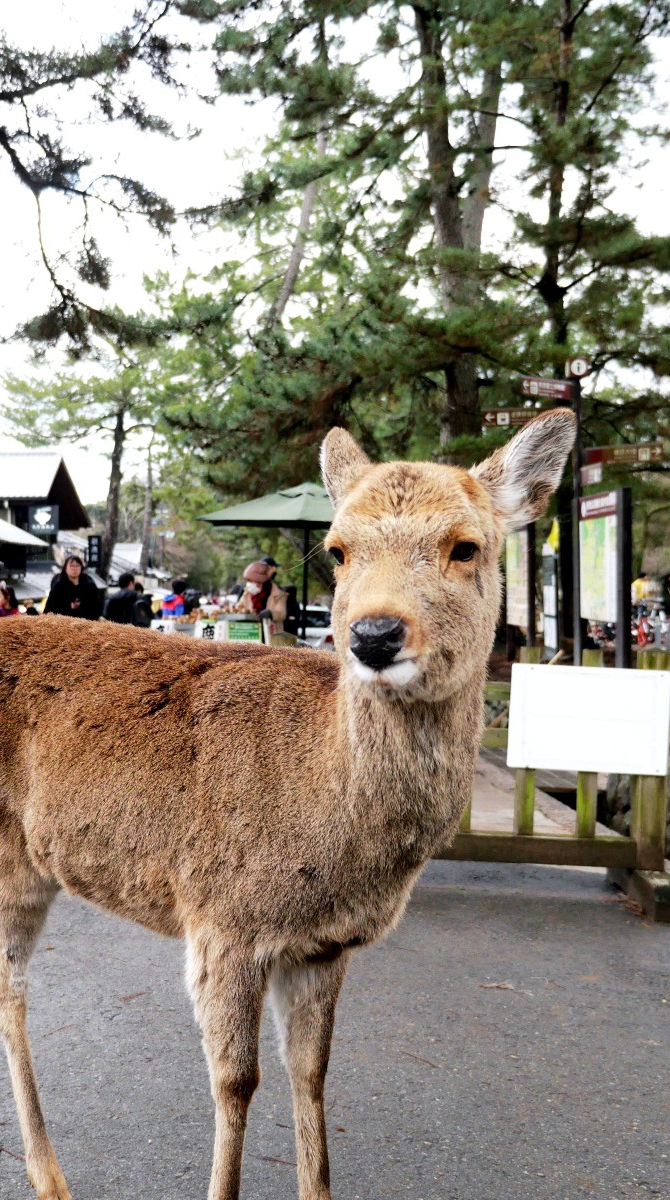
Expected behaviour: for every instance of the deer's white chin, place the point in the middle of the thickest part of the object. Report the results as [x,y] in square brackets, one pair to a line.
[399,675]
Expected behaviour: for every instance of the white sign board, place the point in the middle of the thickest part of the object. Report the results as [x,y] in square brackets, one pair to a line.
[589,719]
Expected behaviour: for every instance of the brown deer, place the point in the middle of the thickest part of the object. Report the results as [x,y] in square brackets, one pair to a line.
[273,838]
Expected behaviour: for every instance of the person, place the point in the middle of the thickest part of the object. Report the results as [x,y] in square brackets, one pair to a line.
[174,604]
[31,608]
[73,592]
[8,605]
[641,588]
[293,610]
[258,585]
[262,593]
[272,564]
[277,598]
[143,612]
[120,606]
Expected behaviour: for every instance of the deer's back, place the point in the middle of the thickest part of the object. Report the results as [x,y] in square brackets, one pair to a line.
[148,772]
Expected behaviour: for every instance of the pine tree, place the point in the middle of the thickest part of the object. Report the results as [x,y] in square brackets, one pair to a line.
[40,161]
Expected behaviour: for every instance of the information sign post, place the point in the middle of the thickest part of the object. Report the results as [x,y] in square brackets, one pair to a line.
[550,600]
[605,557]
[576,566]
[520,581]
[624,576]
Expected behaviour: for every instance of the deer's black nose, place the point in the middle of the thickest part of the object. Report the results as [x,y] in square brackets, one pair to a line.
[377,640]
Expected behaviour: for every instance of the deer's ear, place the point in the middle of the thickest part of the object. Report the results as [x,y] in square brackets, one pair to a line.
[521,476]
[342,462]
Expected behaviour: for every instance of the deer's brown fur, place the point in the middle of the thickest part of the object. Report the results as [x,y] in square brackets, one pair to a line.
[272,807]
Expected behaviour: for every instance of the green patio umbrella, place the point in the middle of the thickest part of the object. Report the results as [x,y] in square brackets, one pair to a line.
[303,507]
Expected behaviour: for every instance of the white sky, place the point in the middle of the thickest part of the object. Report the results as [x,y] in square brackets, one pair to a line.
[189,171]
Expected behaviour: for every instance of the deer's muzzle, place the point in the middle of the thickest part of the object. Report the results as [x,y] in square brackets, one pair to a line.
[376,641]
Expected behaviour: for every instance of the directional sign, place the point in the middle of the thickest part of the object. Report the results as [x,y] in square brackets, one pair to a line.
[505,417]
[551,389]
[591,474]
[636,452]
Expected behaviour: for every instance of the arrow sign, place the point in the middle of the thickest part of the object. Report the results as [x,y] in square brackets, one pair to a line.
[506,417]
[635,452]
[549,389]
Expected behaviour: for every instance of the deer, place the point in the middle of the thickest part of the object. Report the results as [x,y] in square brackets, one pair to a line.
[276,839]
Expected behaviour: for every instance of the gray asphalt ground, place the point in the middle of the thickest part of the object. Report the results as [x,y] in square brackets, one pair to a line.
[441,1085]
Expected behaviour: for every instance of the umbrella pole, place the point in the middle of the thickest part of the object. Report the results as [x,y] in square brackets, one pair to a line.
[305,569]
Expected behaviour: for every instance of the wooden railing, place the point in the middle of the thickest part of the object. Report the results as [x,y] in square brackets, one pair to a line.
[644,849]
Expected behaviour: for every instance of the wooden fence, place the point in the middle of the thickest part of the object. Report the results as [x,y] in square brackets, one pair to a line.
[643,850]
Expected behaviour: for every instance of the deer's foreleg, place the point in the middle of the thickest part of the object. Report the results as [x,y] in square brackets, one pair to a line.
[24,901]
[227,989]
[303,1001]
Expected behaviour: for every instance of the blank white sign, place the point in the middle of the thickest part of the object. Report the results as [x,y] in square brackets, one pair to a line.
[589,719]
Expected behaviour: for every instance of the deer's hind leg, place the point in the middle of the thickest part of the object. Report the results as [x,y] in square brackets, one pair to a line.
[303,1002]
[24,902]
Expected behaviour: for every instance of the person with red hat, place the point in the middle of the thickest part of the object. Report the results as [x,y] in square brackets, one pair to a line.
[258,585]
[261,593]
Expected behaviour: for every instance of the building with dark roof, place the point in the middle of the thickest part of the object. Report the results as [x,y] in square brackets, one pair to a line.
[39,479]
[37,500]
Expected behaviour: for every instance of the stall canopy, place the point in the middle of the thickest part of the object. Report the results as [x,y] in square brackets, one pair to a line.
[305,507]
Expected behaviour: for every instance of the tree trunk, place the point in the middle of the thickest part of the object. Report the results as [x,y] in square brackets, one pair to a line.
[298,251]
[477,199]
[455,228]
[147,515]
[110,531]
[553,294]
[549,286]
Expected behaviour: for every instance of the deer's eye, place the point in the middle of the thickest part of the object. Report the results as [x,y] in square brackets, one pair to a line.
[464,551]
[337,554]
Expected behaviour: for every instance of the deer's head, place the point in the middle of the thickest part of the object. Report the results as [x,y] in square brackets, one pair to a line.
[417,548]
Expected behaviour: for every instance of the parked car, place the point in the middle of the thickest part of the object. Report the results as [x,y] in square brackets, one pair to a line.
[319,632]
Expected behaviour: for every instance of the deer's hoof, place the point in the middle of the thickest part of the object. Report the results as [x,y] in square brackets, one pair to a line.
[49,1182]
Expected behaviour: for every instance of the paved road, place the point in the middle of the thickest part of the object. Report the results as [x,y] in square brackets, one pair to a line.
[441,1087]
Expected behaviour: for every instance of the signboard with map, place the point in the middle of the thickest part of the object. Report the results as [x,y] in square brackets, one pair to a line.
[598,557]
[516,578]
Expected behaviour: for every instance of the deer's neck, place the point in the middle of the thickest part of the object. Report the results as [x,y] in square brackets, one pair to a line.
[412,765]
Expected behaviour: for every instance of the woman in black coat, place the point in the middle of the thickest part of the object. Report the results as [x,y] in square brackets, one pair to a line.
[73,593]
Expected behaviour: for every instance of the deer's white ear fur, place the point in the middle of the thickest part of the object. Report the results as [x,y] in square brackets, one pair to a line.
[342,463]
[521,476]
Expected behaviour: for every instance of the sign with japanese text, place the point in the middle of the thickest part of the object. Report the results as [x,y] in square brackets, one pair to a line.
[598,557]
[635,452]
[516,578]
[549,389]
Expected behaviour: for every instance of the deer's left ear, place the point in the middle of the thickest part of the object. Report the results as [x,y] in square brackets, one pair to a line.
[521,476]
[342,463]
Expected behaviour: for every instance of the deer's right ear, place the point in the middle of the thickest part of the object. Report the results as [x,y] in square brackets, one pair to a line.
[342,463]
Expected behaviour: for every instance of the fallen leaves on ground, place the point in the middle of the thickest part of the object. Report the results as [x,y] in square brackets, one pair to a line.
[505,986]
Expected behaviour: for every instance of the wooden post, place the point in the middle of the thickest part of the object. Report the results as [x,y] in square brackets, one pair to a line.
[649,793]
[464,826]
[531,543]
[576,486]
[624,535]
[587,781]
[524,785]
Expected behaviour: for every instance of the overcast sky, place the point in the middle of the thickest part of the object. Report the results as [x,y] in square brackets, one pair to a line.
[188,171]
